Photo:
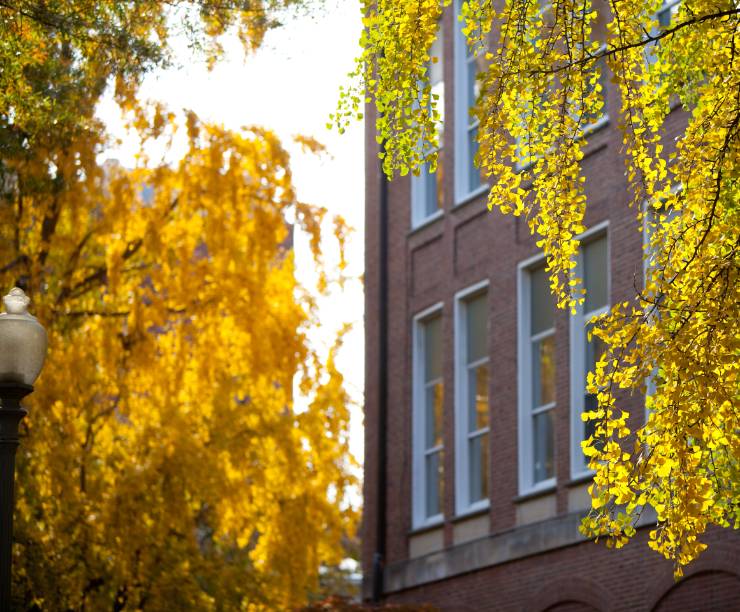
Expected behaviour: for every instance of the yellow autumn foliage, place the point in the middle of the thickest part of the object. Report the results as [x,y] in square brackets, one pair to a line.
[165,463]
[540,94]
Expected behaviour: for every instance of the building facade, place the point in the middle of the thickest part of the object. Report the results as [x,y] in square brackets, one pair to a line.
[475,482]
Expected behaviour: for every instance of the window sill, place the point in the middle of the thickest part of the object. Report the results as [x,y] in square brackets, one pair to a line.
[674,102]
[587,132]
[471,197]
[476,509]
[594,127]
[540,490]
[426,222]
[429,525]
[580,478]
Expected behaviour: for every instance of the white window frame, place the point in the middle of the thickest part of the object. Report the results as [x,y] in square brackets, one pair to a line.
[463,504]
[462,121]
[418,429]
[578,322]
[525,431]
[419,195]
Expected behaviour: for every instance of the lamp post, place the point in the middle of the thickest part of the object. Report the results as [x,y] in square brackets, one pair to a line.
[22,351]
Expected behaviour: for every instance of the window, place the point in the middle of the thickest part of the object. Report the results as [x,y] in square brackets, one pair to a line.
[427,189]
[428,405]
[663,16]
[651,219]
[596,86]
[530,105]
[587,120]
[536,377]
[467,67]
[471,398]
[593,268]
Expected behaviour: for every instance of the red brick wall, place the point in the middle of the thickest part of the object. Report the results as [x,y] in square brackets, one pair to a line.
[590,576]
[466,245]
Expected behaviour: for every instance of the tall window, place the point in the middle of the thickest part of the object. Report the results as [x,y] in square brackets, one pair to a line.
[527,106]
[536,378]
[652,218]
[471,398]
[427,189]
[593,266]
[595,86]
[467,66]
[663,17]
[428,402]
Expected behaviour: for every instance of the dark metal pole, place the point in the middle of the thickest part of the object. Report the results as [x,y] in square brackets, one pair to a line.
[11,414]
[382,450]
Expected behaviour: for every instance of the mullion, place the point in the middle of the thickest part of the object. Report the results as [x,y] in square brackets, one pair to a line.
[543,408]
[478,433]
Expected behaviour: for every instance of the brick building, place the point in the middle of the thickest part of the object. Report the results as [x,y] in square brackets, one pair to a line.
[474,478]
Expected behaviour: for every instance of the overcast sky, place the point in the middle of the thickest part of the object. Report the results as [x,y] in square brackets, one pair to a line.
[290,86]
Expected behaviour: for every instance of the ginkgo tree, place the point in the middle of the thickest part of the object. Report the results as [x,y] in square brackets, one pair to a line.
[679,338]
[165,464]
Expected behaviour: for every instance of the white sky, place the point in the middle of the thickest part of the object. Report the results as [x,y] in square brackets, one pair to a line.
[290,86]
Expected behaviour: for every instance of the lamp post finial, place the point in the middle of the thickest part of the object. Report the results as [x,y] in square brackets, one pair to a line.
[16,302]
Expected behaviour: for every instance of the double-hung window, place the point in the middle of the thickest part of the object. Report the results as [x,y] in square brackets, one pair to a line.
[663,16]
[595,86]
[471,399]
[593,268]
[536,378]
[468,63]
[428,402]
[651,219]
[530,105]
[427,189]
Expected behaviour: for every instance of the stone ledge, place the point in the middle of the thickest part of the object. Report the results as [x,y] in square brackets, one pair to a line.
[484,552]
[518,543]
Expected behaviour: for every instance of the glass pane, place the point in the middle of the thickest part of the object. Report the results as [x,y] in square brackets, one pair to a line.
[478,398]
[436,80]
[595,269]
[589,426]
[666,13]
[472,93]
[478,448]
[594,350]
[476,311]
[434,405]
[432,331]
[437,203]
[433,477]
[439,103]
[543,303]
[436,71]
[593,117]
[431,196]
[473,170]
[544,467]
[468,50]
[543,371]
